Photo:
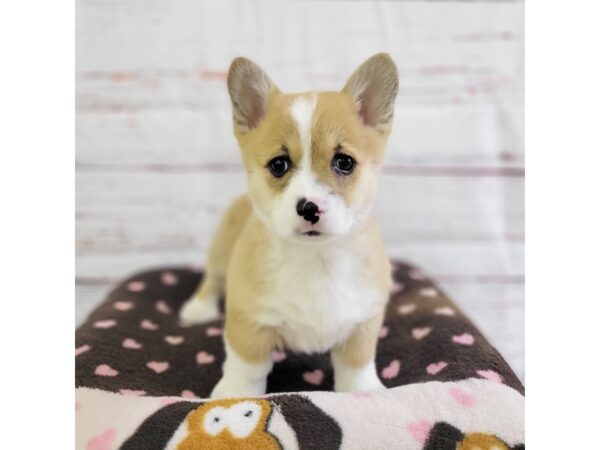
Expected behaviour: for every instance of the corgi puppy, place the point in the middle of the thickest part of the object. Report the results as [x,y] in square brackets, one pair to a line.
[299,257]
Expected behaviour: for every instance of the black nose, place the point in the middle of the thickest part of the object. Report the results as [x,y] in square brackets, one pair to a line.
[308,210]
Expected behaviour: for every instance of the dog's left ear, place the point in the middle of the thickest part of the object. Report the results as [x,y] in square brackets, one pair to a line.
[374,86]
[249,88]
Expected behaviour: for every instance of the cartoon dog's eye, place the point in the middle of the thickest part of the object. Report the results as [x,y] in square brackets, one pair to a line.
[279,166]
[343,164]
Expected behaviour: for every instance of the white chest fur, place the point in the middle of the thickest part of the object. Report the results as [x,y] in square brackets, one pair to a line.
[317,296]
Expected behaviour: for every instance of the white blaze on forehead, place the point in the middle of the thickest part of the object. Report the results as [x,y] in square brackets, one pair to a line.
[303,110]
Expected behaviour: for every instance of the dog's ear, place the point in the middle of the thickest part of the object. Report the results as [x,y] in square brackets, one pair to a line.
[249,88]
[374,86]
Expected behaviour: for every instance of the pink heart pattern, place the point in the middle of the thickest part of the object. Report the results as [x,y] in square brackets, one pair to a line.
[464,339]
[407,309]
[397,287]
[444,311]
[435,368]
[410,316]
[420,333]
[158,366]
[420,430]
[428,292]
[391,370]
[204,358]
[82,349]
[463,398]
[174,340]
[104,370]
[314,377]
[131,344]
[103,441]
[162,307]
[104,324]
[169,279]
[278,356]
[188,394]
[490,375]
[149,325]
[123,306]
[214,331]
[136,286]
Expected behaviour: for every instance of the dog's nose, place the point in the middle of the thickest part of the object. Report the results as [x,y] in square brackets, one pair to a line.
[308,210]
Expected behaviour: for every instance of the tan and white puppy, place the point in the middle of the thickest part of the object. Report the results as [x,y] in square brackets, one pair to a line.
[300,258]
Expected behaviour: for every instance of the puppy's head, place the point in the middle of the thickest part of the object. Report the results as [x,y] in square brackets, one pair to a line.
[313,159]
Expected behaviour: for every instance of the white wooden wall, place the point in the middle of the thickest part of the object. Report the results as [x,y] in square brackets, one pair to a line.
[157,162]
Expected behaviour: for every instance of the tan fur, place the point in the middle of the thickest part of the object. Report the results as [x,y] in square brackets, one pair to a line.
[344,121]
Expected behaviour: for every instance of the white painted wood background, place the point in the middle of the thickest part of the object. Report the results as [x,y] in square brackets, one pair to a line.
[157,162]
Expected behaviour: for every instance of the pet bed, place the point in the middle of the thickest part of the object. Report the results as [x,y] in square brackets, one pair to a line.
[140,378]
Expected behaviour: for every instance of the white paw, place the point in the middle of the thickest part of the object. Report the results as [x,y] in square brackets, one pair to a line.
[197,310]
[357,380]
[236,386]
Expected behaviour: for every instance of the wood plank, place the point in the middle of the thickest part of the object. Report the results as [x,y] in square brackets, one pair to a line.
[480,47]
[166,210]
[465,136]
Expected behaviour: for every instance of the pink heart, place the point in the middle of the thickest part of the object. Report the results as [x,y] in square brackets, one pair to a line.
[123,306]
[104,370]
[315,377]
[158,366]
[169,279]
[214,331]
[204,358]
[174,340]
[149,325]
[391,370]
[397,287]
[490,375]
[84,348]
[416,274]
[383,332]
[278,356]
[407,309]
[188,394]
[132,392]
[420,430]
[108,323]
[463,398]
[102,441]
[166,401]
[162,307]
[136,286]
[435,368]
[428,292]
[420,333]
[444,311]
[464,339]
[131,344]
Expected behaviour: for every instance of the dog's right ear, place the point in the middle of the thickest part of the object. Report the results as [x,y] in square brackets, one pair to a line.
[249,88]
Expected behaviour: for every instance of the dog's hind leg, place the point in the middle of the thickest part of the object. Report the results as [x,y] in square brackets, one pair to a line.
[203,305]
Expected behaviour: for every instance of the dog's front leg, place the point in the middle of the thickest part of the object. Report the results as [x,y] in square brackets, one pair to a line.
[247,361]
[354,359]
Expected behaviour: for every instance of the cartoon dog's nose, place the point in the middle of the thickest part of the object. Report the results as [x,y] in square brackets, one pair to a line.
[308,210]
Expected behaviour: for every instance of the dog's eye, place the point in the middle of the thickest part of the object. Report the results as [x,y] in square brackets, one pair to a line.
[279,166]
[343,164]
